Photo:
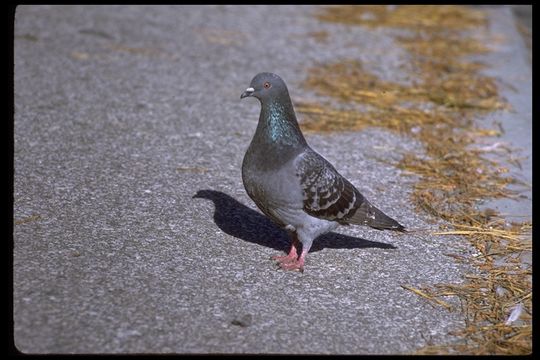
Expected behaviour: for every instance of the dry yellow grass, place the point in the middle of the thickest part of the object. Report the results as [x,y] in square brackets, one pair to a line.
[438,109]
[416,17]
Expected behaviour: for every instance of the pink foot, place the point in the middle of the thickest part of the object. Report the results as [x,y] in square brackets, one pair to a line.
[285,258]
[292,256]
[295,265]
[292,261]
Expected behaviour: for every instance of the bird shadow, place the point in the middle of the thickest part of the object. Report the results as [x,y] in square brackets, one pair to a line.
[236,219]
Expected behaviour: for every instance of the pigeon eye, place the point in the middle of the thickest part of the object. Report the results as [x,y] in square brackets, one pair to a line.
[267,85]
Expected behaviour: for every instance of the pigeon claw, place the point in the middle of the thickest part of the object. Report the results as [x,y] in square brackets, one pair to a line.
[292,266]
[284,259]
[289,262]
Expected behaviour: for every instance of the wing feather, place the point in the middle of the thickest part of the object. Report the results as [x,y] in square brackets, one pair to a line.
[330,196]
[327,194]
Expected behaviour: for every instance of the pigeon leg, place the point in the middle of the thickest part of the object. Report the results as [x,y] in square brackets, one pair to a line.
[293,253]
[298,264]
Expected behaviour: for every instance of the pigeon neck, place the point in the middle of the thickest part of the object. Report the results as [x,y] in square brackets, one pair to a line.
[277,123]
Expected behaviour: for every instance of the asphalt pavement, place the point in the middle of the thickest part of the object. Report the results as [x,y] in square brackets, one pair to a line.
[133,232]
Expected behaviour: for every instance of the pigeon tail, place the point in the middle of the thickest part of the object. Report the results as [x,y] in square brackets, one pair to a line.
[369,215]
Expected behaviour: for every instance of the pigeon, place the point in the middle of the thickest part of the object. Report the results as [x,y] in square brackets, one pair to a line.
[292,184]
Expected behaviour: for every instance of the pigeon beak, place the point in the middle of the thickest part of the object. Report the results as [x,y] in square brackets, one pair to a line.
[248,92]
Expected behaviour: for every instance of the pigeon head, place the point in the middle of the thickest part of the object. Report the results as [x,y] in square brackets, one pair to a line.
[266,86]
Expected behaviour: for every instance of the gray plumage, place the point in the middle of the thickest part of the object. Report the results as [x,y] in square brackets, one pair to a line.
[294,185]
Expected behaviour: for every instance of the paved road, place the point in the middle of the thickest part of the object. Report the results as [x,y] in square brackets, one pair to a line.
[133,231]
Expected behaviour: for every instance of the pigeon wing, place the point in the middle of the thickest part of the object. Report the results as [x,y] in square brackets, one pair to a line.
[328,195]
